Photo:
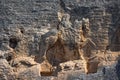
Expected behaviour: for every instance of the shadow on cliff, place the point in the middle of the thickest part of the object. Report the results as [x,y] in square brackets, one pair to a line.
[114,29]
[118,69]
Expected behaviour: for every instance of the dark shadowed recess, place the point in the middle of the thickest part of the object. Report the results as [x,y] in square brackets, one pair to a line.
[118,69]
[13,42]
[80,12]
[114,29]
[76,12]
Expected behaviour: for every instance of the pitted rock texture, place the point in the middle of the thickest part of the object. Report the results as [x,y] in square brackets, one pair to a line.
[36,43]
[6,71]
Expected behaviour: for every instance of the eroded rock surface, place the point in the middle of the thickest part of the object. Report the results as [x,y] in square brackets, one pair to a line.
[59,39]
[6,71]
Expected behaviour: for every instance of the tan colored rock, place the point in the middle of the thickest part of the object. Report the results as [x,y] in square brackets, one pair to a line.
[73,66]
[46,68]
[66,43]
[91,67]
[25,59]
[30,73]
[6,71]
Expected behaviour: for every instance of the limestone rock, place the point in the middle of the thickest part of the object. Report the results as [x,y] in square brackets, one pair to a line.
[57,33]
[23,60]
[73,66]
[46,68]
[30,73]
[6,71]
[66,43]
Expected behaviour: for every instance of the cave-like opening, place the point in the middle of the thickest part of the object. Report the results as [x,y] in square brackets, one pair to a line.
[13,42]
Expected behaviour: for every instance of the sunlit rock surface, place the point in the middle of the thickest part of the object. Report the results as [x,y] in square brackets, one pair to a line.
[59,39]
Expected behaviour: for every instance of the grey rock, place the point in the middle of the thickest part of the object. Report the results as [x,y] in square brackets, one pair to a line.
[30,73]
[6,71]
[25,29]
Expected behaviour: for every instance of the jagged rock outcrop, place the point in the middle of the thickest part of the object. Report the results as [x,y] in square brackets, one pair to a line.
[69,42]
[39,39]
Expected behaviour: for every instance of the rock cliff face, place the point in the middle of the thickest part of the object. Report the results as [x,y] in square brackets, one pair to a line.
[59,39]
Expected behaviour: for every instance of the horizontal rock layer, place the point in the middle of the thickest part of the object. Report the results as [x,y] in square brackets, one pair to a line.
[34,46]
